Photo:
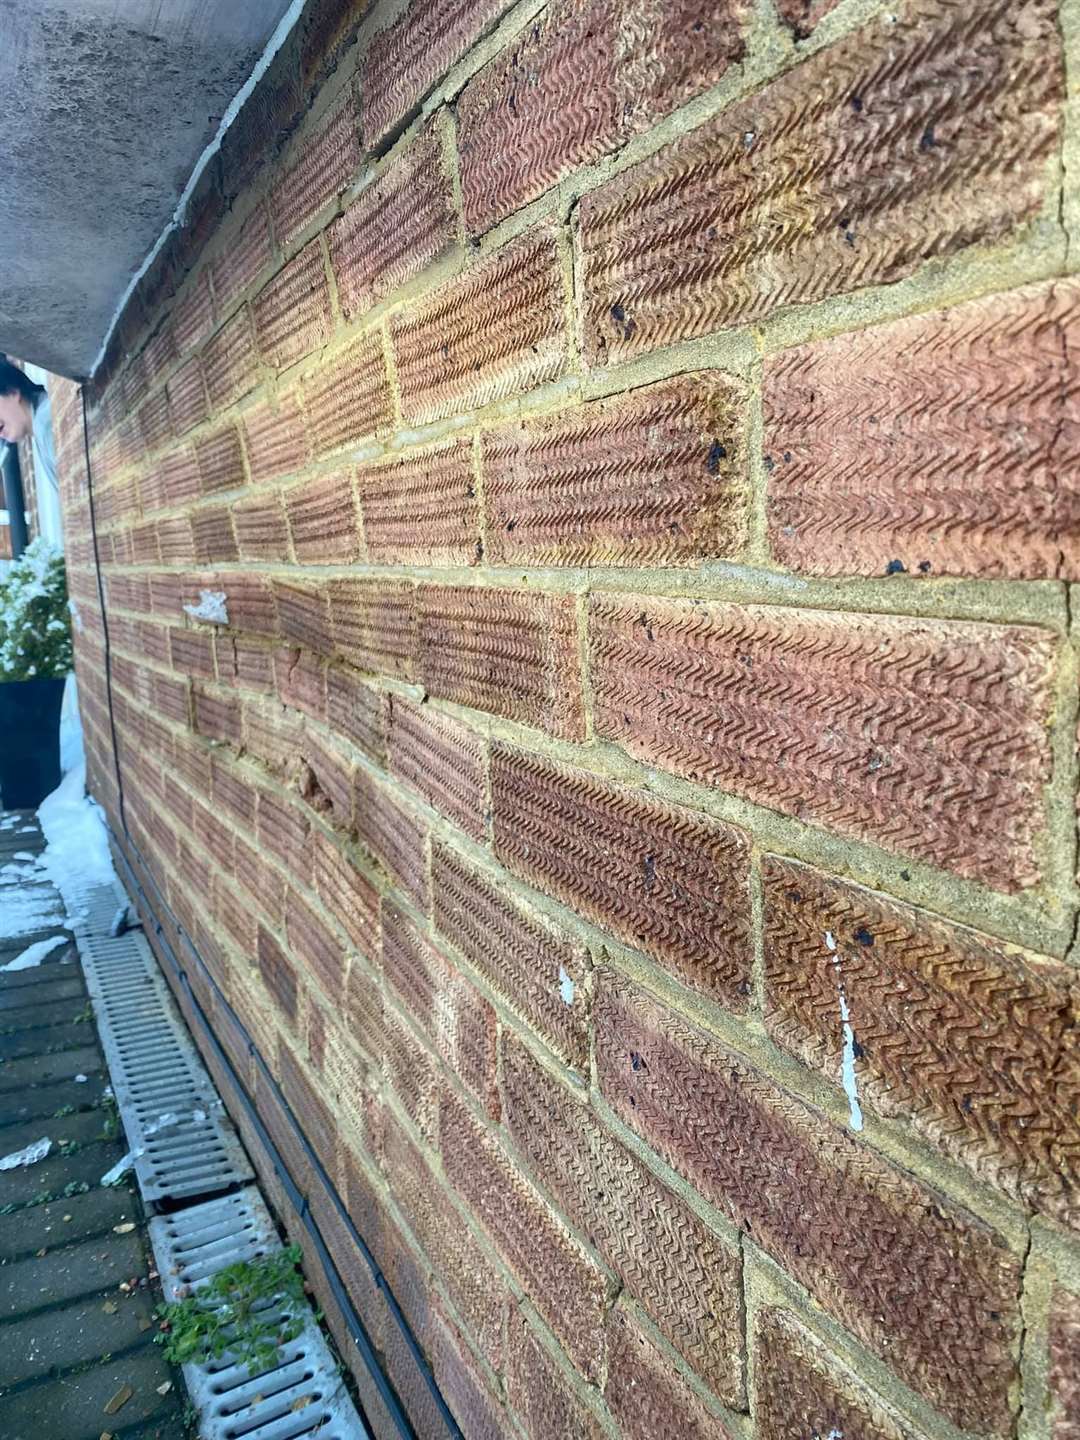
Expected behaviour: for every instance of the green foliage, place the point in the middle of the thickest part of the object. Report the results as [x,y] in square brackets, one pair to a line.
[248,1309]
[35,626]
[110,1125]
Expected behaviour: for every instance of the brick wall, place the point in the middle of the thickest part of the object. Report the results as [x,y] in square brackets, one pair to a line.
[630,806]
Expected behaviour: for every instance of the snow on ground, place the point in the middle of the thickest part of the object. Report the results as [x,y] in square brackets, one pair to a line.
[33,955]
[76,857]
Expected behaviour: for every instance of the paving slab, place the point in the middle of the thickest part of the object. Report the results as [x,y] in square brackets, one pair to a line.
[46,1100]
[57,962]
[49,1068]
[87,1330]
[50,1176]
[65,1221]
[52,1036]
[78,1129]
[73,1407]
[18,1004]
[92,1268]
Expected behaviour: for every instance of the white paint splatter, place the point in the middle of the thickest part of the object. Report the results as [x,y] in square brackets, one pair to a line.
[33,955]
[30,1155]
[566,986]
[847,1059]
[119,1170]
[211,607]
[81,1079]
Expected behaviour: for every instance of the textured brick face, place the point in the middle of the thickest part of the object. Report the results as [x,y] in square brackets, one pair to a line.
[681,1273]
[705,236]
[799,1390]
[566,1285]
[394,229]
[838,719]
[540,1394]
[326,162]
[348,398]
[443,761]
[495,331]
[242,260]
[653,478]
[407,57]
[230,360]
[276,439]
[946,444]
[582,80]
[859,1235]
[538,972]
[508,652]
[422,509]
[374,625]
[646,1394]
[662,879]
[970,1042]
[323,522]
[1065,1365]
[292,314]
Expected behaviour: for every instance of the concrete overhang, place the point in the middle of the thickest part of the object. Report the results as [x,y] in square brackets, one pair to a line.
[106,107]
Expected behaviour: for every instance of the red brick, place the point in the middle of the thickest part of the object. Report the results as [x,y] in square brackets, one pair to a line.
[803,15]
[510,652]
[230,361]
[463,1385]
[655,477]
[233,793]
[187,397]
[276,439]
[193,314]
[688,1280]
[292,313]
[956,1033]
[800,1389]
[144,543]
[221,462]
[176,543]
[273,736]
[348,894]
[309,1108]
[1064,1377]
[582,80]
[283,830]
[192,653]
[944,444]
[217,716]
[179,476]
[354,709]
[261,530]
[160,353]
[565,1284]
[452,357]
[363,1012]
[471,1280]
[278,975]
[394,836]
[250,602]
[422,509]
[647,1395]
[249,662]
[374,625]
[411,1076]
[323,520]
[215,836]
[394,229]
[740,217]
[299,678]
[328,783]
[242,259]
[213,532]
[526,960]
[460,1022]
[323,166]
[666,880]
[348,398]
[302,615]
[848,721]
[155,422]
[540,1395]
[858,1234]
[318,951]
[441,759]
[405,59]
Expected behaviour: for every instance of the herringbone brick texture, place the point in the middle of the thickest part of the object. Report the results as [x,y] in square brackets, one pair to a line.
[585,516]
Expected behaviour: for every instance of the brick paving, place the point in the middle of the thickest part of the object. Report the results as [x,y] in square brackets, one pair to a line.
[76,1288]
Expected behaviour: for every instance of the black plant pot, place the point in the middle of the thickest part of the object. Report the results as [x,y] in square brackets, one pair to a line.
[29,741]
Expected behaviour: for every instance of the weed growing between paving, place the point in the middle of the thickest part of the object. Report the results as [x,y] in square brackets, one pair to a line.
[248,1310]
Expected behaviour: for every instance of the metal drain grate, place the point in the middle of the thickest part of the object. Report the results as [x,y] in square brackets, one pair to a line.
[302,1394]
[181,1141]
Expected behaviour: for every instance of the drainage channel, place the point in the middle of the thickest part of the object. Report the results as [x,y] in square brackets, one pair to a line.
[183,1147]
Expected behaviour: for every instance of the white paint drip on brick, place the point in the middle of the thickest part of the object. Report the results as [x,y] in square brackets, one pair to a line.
[566,986]
[847,1061]
[211,607]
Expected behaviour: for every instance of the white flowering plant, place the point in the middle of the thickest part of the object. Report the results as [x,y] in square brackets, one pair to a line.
[35,627]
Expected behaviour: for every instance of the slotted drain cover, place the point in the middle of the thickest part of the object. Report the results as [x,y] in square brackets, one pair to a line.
[181,1141]
[302,1394]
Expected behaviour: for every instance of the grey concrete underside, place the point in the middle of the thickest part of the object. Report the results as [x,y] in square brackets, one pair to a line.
[105,107]
[73,1342]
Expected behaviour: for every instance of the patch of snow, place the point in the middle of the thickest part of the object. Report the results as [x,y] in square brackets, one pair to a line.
[76,618]
[24,911]
[211,607]
[81,1079]
[24,855]
[76,857]
[29,1155]
[33,955]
